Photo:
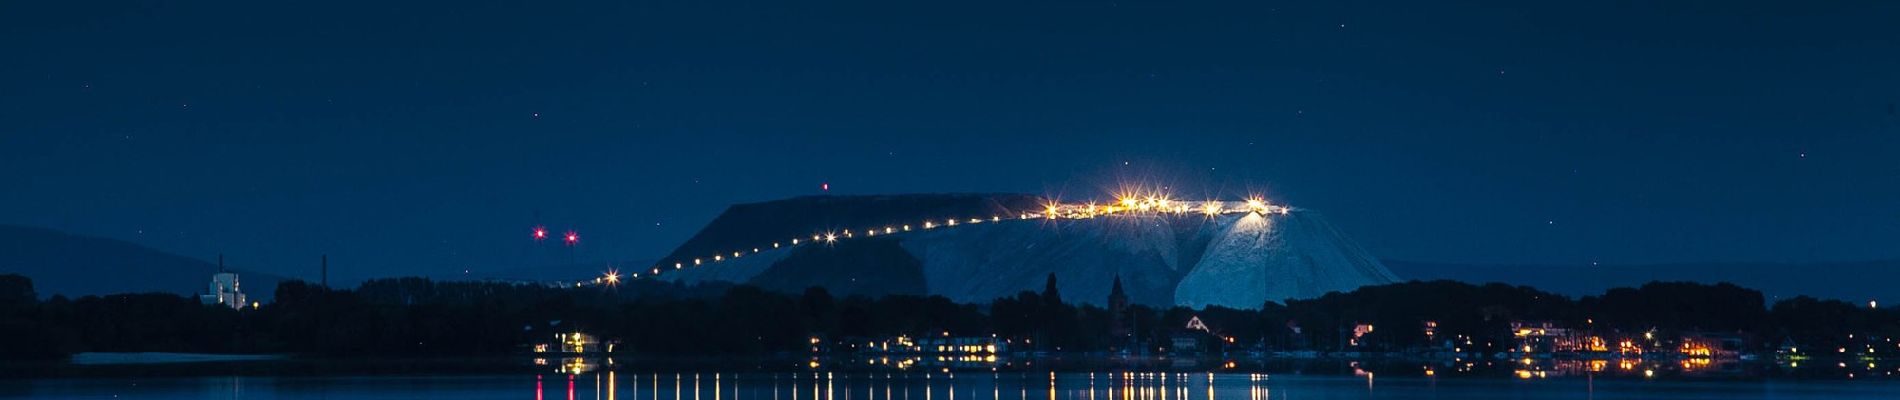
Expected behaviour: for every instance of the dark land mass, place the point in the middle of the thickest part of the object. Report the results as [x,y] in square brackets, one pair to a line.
[1858,281]
[76,265]
[419,317]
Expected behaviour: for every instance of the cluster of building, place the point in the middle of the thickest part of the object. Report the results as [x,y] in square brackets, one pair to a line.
[574,353]
[1544,338]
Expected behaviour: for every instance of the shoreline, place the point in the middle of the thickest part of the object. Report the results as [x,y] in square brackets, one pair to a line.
[109,358]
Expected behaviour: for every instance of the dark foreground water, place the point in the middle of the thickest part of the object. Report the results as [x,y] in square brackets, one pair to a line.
[912,385]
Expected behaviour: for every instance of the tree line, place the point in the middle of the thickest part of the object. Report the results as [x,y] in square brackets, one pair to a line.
[420,317]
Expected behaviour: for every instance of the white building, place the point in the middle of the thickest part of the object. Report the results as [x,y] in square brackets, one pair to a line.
[224,291]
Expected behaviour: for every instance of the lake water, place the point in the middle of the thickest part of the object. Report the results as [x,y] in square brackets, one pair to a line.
[934,385]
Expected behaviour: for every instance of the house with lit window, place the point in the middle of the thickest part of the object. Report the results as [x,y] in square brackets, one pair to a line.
[575,343]
[1197,338]
[1545,337]
[1721,345]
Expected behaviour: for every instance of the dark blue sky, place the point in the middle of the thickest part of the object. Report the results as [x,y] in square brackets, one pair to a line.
[415,137]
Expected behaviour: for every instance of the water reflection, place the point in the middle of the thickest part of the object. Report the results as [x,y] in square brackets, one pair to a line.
[575,365]
[1547,378]
[861,385]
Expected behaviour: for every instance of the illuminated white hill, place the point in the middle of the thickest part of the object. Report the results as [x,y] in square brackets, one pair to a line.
[1233,259]
[1274,258]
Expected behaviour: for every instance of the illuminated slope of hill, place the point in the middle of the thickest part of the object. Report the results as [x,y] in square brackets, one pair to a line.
[1235,260]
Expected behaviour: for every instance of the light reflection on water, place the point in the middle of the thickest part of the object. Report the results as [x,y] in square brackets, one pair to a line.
[894,385]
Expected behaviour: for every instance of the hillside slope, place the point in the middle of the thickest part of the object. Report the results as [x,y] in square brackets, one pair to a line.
[1162,258]
[73,265]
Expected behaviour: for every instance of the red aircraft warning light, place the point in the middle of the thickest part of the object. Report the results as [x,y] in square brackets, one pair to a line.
[572,238]
[540,233]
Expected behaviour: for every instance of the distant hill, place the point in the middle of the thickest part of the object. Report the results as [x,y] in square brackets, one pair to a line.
[1851,281]
[1232,259]
[72,265]
[753,224]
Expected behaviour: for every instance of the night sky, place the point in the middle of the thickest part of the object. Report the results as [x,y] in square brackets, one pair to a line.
[422,137]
